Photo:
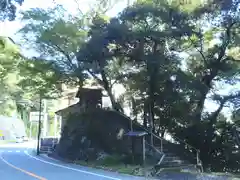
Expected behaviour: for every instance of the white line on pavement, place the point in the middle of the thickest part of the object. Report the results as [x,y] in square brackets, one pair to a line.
[73,169]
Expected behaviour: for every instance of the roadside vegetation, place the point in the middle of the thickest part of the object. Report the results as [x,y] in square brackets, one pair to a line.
[178,63]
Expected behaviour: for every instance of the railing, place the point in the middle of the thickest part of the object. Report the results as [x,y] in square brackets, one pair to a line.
[161,153]
[190,146]
[236,133]
[197,155]
[49,146]
[161,160]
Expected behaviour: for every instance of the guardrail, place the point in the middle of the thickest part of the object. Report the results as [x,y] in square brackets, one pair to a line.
[199,162]
[47,144]
[160,152]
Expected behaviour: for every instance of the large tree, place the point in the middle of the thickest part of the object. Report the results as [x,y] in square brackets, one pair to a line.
[57,39]
[171,59]
[9,59]
[152,36]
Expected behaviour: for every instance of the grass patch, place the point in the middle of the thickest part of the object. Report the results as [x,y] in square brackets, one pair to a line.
[177,170]
[114,164]
[121,168]
[6,141]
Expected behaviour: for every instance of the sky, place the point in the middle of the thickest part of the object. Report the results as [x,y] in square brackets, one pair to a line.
[10,29]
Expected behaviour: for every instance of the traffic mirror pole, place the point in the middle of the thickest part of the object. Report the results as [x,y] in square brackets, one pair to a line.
[39,126]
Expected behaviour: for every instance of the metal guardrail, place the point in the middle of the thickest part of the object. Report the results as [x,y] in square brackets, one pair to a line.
[46,149]
[47,144]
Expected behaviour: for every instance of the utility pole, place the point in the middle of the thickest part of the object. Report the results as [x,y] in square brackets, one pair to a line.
[39,125]
[30,130]
[55,125]
[45,118]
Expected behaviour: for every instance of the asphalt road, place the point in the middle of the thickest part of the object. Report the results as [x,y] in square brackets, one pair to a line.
[17,162]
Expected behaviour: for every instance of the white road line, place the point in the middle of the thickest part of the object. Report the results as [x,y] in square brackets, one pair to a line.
[21,170]
[18,151]
[9,151]
[51,158]
[73,169]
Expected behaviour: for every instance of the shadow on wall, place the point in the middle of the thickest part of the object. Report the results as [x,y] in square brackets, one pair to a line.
[103,129]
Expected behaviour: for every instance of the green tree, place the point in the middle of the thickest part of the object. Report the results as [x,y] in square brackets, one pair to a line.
[170,58]
[146,40]
[8,9]
[9,59]
[57,39]
[40,78]
[98,59]
[135,35]
[60,39]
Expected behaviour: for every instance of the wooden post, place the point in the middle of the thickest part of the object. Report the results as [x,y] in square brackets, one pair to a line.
[132,138]
[45,118]
[144,150]
[144,157]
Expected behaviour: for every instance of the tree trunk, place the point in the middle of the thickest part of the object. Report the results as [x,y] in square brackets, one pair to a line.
[116,106]
[151,115]
[145,116]
[134,109]
[206,81]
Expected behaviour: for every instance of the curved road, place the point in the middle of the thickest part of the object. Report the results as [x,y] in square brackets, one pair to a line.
[18,163]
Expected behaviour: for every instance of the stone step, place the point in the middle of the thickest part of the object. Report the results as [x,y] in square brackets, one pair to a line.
[164,149]
[184,168]
[171,165]
[171,158]
[173,162]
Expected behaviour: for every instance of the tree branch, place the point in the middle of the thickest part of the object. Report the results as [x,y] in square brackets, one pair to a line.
[226,42]
[78,7]
[65,54]
[95,76]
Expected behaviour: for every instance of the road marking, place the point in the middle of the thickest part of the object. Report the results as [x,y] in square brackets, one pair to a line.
[22,170]
[18,151]
[73,169]
[9,151]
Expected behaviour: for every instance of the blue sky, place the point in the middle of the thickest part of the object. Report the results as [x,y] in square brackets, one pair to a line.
[10,28]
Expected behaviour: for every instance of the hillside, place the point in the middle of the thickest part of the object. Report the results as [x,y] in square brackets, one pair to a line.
[11,127]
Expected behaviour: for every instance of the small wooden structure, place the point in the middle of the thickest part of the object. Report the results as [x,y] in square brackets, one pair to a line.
[141,134]
[90,98]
